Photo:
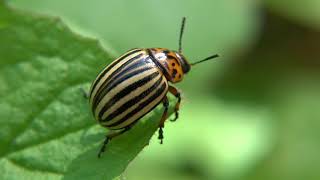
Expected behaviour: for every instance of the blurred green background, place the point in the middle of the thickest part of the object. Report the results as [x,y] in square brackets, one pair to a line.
[253,113]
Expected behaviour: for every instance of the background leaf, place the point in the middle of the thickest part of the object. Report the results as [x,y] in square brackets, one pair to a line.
[46,129]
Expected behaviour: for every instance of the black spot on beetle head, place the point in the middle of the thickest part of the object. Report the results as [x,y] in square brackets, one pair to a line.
[174,73]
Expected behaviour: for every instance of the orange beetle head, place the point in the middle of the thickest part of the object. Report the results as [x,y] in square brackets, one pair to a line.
[174,63]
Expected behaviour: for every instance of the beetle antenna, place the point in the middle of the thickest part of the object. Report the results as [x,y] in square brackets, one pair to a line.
[205,59]
[181,33]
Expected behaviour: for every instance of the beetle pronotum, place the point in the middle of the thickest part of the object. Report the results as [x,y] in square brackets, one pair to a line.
[134,84]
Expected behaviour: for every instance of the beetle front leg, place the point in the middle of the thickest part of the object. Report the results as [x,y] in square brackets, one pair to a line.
[165,102]
[177,94]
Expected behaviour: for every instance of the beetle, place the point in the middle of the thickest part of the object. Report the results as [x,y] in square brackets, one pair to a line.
[134,84]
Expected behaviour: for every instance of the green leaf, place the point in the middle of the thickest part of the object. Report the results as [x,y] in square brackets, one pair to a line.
[46,128]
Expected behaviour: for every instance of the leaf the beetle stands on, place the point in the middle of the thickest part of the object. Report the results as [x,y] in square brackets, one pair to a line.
[46,127]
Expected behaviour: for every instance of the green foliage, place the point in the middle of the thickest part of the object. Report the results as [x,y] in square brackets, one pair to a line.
[46,128]
[252,114]
[304,12]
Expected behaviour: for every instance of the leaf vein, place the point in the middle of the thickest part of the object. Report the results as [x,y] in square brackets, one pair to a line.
[20,131]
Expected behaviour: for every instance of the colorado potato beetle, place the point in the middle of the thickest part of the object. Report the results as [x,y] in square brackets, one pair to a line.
[134,84]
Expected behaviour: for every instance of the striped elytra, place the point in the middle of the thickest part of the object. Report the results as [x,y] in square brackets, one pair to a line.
[134,84]
[127,89]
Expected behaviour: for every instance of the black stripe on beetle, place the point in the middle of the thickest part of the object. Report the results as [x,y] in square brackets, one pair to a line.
[121,68]
[126,91]
[134,100]
[93,86]
[128,71]
[141,106]
[118,81]
[163,69]
[104,84]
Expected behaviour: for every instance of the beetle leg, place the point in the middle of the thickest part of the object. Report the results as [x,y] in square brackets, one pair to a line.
[109,137]
[177,94]
[165,102]
[84,93]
